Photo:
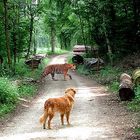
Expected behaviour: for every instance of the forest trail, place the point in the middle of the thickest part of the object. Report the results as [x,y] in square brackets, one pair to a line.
[96,115]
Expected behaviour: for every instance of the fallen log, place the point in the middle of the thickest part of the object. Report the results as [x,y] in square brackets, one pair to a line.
[126,92]
[33,63]
[93,63]
[136,77]
[78,59]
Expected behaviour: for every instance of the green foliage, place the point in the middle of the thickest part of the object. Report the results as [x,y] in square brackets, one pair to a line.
[137,92]
[82,70]
[109,74]
[5,109]
[8,96]
[69,59]
[8,92]
[137,130]
[22,69]
[27,90]
[114,86]
[57,52]
[135,104]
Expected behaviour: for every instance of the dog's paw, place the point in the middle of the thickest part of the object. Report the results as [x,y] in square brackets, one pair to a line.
[49,128]
[68,124]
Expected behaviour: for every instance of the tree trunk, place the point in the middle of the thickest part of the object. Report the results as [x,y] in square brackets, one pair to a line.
[113,19]
[109,48]
[7,45]
[82,29]
[30,36]
[136,11]
[61,41]
[15,47]
[15,22]
[34,42]
[107,42]
[18,34]
[53,41]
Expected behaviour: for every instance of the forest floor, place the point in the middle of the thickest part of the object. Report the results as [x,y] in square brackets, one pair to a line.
[96,115]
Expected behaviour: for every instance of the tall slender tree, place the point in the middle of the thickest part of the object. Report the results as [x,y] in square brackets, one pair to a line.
[7,38]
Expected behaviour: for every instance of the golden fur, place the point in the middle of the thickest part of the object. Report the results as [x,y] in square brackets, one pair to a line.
[59,69]
[63,105]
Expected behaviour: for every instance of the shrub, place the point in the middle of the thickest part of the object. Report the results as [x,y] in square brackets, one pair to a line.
[114,86]
[26,90]
[137,92]
[6,108]
[22,69]
[8,92]
[135,104]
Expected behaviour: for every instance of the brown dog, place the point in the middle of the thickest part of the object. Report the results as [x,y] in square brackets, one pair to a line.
[63,105]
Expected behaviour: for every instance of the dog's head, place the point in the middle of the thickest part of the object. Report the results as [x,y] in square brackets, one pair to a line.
[71,91]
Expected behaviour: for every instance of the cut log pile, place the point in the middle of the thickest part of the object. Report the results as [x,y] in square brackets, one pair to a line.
[33,63]
[93,63]
[126,92]
[35,60]
[136,77]
[77,59]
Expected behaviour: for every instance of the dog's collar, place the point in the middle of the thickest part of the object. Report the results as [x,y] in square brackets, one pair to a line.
[70,96]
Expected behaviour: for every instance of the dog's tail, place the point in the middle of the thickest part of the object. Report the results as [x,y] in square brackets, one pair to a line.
[43,117]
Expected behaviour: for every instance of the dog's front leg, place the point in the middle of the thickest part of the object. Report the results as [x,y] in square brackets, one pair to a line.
[67,117]
[62,119]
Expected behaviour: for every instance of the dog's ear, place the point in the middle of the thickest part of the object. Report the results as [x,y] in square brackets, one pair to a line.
[74,90]
[70,89]
[67,90]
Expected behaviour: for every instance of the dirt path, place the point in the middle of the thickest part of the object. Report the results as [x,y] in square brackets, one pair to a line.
[96,115]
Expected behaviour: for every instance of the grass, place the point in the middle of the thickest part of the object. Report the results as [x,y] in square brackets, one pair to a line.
[57,52]
[8,96]
[137,130]
[109,76]
[49,52]
[10,90]
[5,109]
[27,90]
[135,104]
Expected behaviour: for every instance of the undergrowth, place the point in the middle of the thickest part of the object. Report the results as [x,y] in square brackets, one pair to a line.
[135,104]
[16,85]
[57,52]
[8,96]
[109,76]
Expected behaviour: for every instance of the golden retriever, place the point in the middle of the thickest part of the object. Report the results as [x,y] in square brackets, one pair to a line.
[63,105]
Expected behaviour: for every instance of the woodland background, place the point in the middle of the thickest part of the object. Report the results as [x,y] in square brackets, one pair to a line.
[26,25]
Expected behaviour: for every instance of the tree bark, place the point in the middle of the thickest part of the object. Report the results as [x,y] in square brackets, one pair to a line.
[53,41]
[107,42]
[31,34]
[136,11]
[7,37]
[126,92]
